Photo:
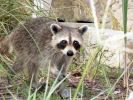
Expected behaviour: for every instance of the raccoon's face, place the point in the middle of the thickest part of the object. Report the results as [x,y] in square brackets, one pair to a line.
[68,40]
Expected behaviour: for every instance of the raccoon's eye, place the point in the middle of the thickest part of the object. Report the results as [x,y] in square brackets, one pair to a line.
[76,45]
[62,44]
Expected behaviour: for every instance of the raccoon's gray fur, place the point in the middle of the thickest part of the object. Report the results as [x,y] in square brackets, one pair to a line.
[40,40]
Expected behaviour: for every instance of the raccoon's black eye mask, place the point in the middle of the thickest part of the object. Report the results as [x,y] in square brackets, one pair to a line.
[62,44]
[76,45]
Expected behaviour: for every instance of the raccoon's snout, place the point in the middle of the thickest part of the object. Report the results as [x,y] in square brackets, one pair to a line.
[70,53]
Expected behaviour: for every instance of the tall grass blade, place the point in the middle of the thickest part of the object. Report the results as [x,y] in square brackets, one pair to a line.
[124,10]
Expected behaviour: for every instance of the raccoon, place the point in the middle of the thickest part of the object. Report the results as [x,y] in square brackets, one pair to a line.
[41,40]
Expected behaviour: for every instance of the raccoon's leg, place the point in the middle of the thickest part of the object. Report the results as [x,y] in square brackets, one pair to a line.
[32,70]
[56,73]
[62,90]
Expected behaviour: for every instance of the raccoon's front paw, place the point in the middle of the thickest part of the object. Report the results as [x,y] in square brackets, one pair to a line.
[65,93]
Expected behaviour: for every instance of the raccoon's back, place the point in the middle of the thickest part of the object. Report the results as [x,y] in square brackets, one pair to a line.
[34,34]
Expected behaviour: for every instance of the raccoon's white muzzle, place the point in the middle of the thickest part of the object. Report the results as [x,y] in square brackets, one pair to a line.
[69,51]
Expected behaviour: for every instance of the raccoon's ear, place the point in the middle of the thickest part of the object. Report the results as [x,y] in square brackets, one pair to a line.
[83,29]
[55,28]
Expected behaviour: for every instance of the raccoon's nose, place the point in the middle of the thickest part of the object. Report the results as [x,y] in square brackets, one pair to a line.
[70,53]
